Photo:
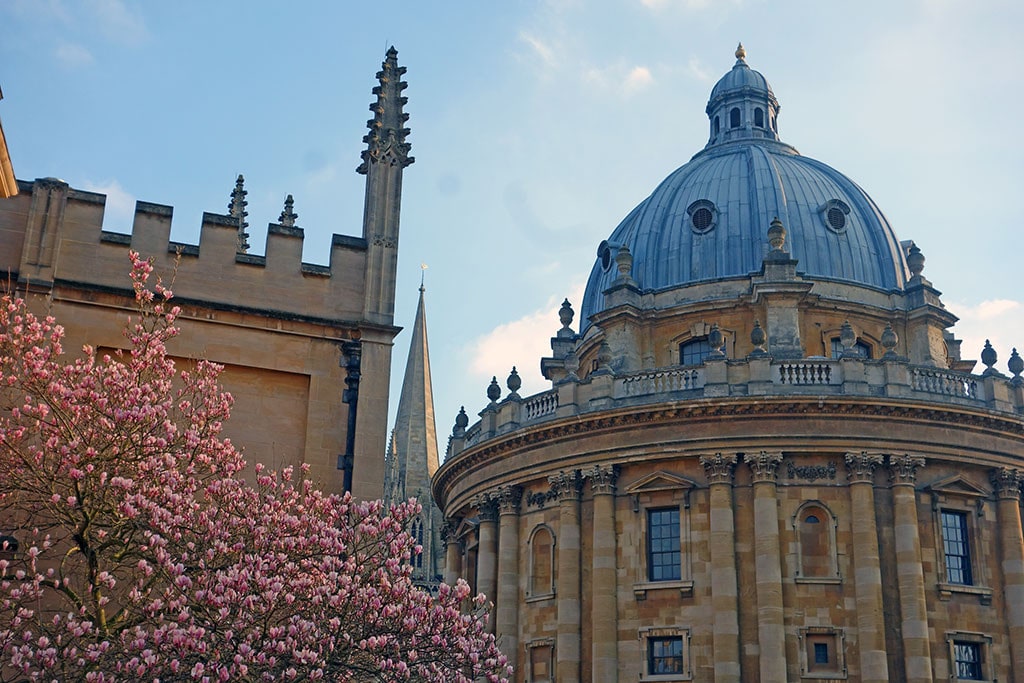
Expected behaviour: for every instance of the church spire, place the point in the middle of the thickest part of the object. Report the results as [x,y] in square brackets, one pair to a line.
[385,156]
[412,458]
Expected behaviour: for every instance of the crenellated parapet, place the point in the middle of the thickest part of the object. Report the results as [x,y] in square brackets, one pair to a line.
[51,235]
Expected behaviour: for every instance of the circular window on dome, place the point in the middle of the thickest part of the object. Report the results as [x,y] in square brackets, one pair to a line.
[604,253]
[703,216]
[834,213]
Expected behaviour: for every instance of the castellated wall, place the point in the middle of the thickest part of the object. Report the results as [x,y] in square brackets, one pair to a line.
[275,323]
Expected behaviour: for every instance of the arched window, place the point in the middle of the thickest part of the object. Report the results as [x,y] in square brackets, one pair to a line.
[860,348]
[542,563]
[718,126]
[759,117]
[734,118]
[417,533]
[694,352]
[815,531]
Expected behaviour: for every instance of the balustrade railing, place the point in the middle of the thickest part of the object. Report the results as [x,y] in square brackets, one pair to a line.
[540,405]
[659,382]
[802,373]
[945,382]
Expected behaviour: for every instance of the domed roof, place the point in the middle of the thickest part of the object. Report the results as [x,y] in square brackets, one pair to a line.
[709,219]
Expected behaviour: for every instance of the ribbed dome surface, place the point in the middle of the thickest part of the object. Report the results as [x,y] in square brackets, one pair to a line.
[709,219]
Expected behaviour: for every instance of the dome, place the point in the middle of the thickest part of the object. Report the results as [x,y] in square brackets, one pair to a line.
[709,219]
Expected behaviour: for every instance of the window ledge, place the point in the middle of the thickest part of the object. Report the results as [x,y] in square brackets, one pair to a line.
[832,580]
[665,678]
[540,597]
[640,591]
[984,594]
[824,676]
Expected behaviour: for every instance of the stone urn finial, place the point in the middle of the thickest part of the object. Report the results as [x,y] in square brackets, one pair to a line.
[624,262]
[889,341]
[758,339]
[513,383]
[777,234]
[915,261]
[716,340]
[1016,366]
[493,390]
[461,422]
[566,314]
[989,358]
[604,358]
[847,337]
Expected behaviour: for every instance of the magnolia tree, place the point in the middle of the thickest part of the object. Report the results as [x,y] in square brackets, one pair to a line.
[136,550]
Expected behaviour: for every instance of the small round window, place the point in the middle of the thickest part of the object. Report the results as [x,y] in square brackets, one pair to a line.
[604,253]
[834,214]
[703,215]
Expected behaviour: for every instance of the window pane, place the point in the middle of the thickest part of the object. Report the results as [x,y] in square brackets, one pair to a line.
[967,657]
[663,556]
[957,548]
[820,653]
[665,655]
[694,352]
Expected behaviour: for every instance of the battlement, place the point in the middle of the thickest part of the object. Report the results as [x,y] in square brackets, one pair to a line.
[51,234]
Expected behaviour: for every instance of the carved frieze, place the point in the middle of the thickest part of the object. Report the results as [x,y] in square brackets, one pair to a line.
[810,472]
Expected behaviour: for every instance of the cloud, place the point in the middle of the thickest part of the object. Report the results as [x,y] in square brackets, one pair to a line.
[542,49]
[1000,321]
[73,55]
[619,78]
[638,79]
[119,22]
[520,343]
[119,210]
[697,69]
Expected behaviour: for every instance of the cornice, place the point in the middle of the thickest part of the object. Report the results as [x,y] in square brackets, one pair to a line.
[720,409]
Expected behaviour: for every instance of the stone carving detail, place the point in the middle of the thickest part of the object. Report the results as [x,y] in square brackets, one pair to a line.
[764,466]
[861,466]
[539,499]
[1007,482]
[903,469]
[719,468]
[448,532]
[507,499]
[602,478]
[493,390]
[811,472]
[288,216]
[386,141]
[566,485]
[384,241]
[514,382]
[487,509]
[236,209]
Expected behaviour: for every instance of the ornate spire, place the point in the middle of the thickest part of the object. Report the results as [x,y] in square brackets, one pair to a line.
[741,53]
[288,216]
[236,209]
[386,139]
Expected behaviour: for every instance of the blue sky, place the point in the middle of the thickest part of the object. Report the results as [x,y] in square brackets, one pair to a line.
[536,127]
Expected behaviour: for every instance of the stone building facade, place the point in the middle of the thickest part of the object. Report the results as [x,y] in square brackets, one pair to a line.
[303,345]
[761,457]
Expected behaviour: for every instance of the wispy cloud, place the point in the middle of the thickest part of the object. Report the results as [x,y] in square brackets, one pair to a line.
[120,22]
[1001,321]
[619,79]
[73,55]
[638,79]
[119,210]
[696,68]
[540,48]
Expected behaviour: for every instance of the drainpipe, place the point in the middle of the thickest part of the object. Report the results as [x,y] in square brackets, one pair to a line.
[351,354]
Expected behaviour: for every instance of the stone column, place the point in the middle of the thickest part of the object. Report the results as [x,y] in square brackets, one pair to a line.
[605,620]
[487,550]
[567,645]
[771,633]
[506,617]
[1007,482]
[452,553]
[866,567]
[725,631]
[917,658]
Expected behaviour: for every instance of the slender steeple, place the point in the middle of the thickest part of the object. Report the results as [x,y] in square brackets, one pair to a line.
[385,156]
[412,457]
[236,209]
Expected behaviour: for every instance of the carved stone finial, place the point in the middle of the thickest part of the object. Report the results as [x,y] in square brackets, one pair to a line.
[461,422]
[764,466]
[758,338]
[719,468]
[777,235]
[566,485]
[889,341]
[566,314]
[604,358]
[861,466]
[1016,366]
[915,261]
[1007,482]
[236,209]
[716,340]
[288,216]
[493,390]
[386,140]
[847,337]
[903,468]
[989,358]
[624,262]
[741,52]
[572,365]
[513,383]
[602,478]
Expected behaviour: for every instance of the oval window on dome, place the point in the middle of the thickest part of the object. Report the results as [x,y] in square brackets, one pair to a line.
[703,216]
[834,214]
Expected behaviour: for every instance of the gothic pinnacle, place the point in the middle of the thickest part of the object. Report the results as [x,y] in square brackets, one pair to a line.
[386,139]
[288,216]
[236,209]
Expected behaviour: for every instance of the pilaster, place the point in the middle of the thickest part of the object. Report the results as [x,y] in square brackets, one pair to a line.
[1007,482]
[725,631]
[867,567]
[917,659]
[771,634]
[487,549]
[506,621]
[567,487]
[604,640]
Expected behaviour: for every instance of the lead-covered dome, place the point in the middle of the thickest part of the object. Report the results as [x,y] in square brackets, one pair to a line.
[709,219]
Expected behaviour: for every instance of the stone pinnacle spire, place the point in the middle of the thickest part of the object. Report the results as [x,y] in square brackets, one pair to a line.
[386,139]
[236,209]
[412,457]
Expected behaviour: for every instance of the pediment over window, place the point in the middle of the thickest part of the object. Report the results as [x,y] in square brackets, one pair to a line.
[660,481]
[957,485]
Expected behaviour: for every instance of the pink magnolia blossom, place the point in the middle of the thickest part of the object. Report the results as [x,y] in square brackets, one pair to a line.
[145,555]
